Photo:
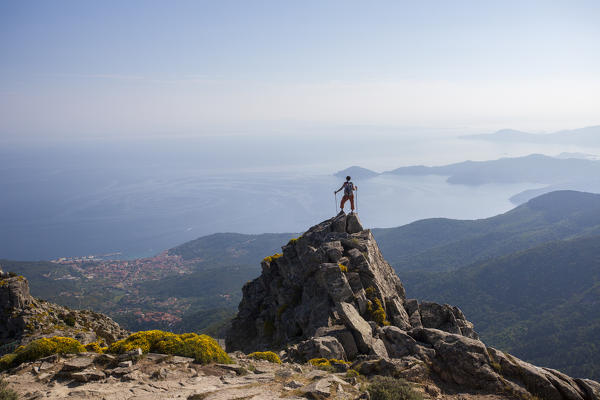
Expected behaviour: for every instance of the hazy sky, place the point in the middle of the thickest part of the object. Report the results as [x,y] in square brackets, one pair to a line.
[114,68]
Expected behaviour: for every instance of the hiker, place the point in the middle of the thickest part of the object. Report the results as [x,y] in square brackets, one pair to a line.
[349,189]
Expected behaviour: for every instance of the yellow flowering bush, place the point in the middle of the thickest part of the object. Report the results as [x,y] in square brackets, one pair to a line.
[41,348]
[202,348]
[273,257]
[96,347]
[265,355]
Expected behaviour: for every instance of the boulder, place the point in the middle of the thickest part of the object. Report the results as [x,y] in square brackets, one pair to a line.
[353,224]
[400,344]
[87,375]
[361,331]
[321,347]
[459,359]
[446,318]
[77,364]
[320,389]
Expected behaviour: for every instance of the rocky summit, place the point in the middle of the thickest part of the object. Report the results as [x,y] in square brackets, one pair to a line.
[331,294]
[24,318]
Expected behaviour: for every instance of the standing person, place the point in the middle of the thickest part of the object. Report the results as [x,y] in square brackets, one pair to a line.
[349,189]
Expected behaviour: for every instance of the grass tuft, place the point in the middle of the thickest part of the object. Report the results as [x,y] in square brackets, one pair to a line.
[265,355]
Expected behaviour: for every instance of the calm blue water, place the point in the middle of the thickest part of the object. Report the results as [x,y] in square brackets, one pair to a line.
[139,198]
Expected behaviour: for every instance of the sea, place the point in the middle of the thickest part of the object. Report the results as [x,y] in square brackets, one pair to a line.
[136,197]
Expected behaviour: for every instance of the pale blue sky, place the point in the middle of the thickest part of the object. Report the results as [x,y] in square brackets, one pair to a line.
[145,67]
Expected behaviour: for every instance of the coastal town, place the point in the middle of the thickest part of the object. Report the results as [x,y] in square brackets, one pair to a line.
[119,280]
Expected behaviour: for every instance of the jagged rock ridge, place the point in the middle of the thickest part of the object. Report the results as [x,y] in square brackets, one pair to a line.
[24,318]
[331,294]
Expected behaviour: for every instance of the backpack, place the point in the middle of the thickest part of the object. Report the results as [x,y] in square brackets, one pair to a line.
[348,186]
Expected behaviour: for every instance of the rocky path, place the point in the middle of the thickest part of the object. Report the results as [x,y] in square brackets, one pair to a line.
[158,376]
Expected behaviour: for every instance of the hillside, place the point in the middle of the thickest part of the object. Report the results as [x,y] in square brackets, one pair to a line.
[230,248]
[541,304]
[440,244]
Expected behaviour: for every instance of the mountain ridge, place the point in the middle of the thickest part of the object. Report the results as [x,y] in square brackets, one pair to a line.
[582,136]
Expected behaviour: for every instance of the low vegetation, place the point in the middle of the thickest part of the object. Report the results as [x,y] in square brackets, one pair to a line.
[6,393]
[96,347]
[387,388]
[265,355]
[375,308]
[41,348]
[202,348]
[294,240]
[329,364]
[273,257]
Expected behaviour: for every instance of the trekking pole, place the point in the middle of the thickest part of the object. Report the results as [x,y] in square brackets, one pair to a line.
[357,199]
[335,203]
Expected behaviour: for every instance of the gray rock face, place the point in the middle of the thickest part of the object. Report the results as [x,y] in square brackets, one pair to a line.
[334,274]
[331,294]
[24,318]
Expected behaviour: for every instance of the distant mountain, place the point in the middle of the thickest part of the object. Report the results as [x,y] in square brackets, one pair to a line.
[505,135]
[356,172]
[440,244]
[541,304]
[534,168]
[589,136]
[581,185]
[563,170]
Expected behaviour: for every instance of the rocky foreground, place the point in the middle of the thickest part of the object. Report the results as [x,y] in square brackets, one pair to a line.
[158,376]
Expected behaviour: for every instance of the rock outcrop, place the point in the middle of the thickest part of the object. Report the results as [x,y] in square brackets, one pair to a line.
[24,318]
[331,294]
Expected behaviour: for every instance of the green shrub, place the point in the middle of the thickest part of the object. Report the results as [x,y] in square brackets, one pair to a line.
[352,373]
[69,319]
[5,392]
[7,361]
[265,355]
[41,348]
[330,364]
[202,348]
[387,388]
